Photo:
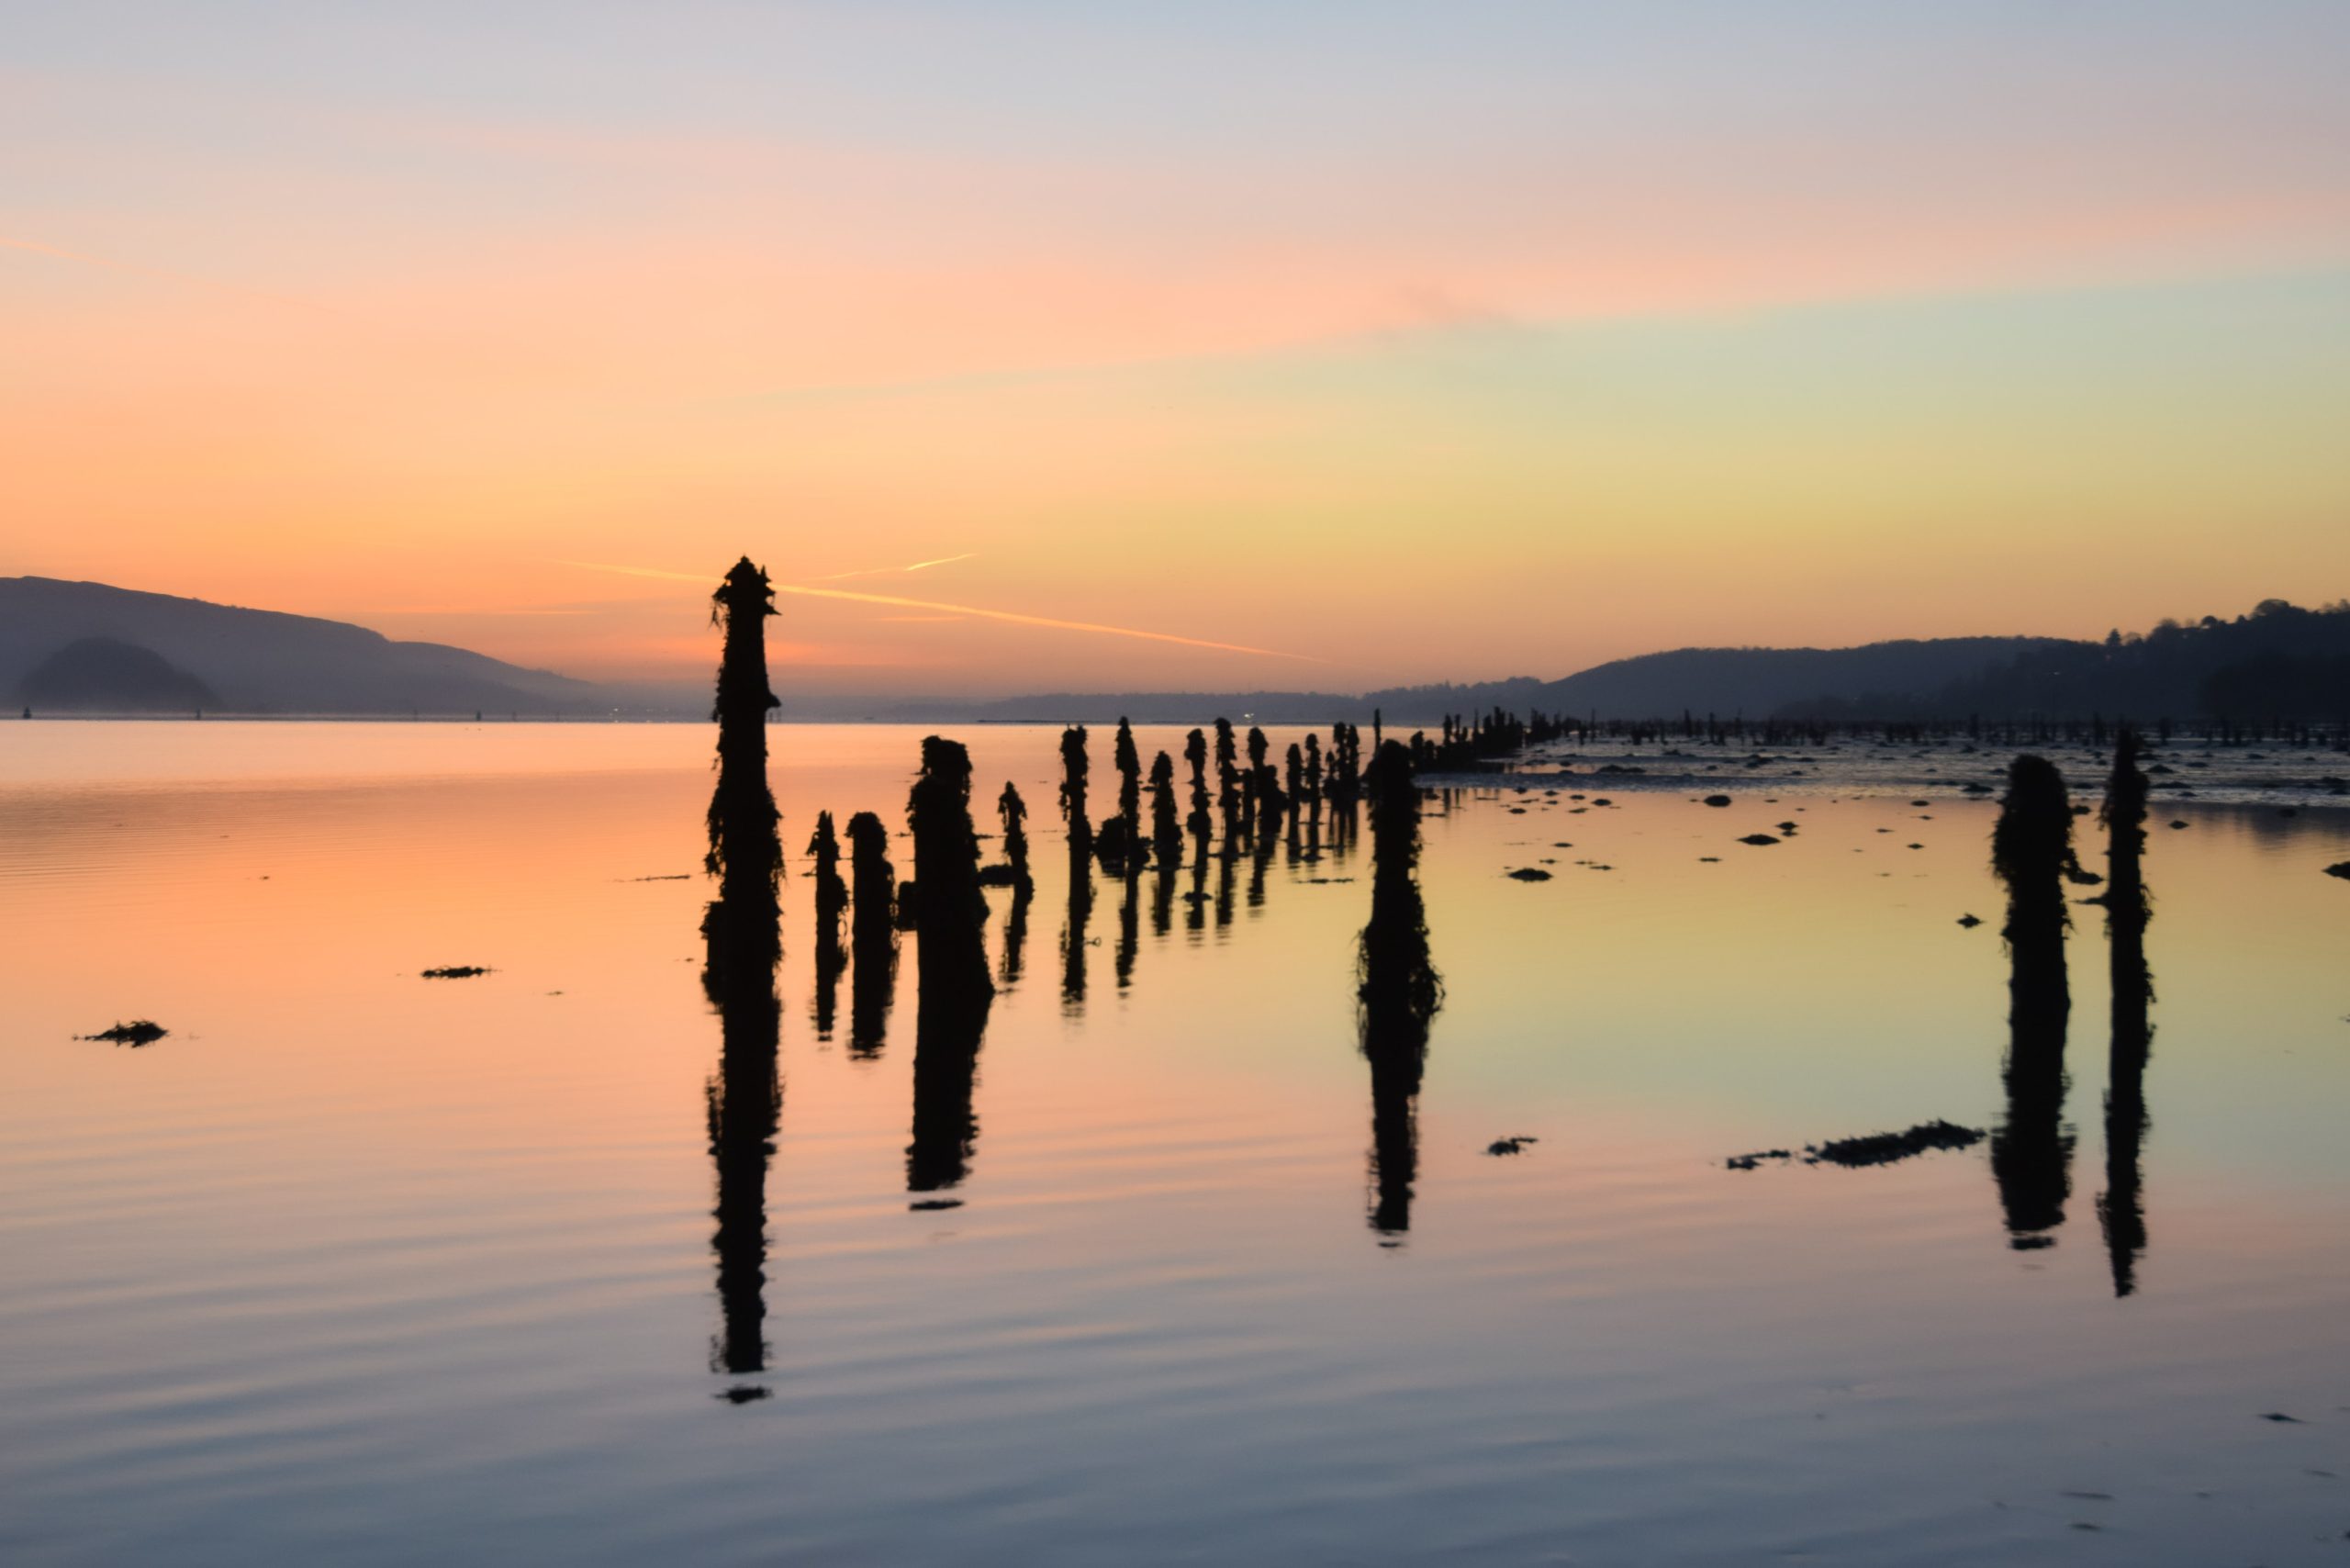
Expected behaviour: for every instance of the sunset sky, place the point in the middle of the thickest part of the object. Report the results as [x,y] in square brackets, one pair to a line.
[1335,345]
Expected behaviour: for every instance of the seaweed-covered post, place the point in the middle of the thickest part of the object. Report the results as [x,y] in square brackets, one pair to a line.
[949,909]
[1200,823]
[1228,796]
[1399,990]
[832,905]
[832,892]
[1346,780]
[1166,827]
[873,935]
[1254,783]
[1014,814]
[1129,794]
[1313,796]
[953,988]
[1073,772]
[2031,851]
[746,851]
[2128,908]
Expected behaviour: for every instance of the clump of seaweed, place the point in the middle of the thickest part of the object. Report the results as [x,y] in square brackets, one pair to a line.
[138,1032]
[1884,1148]
[456,971]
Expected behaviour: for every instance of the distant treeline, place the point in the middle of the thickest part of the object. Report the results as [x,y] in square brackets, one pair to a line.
[2280,662]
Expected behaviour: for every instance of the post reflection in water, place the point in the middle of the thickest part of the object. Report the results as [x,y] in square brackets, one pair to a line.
[952,990]
[1399,990]
[1073,936]
[1162,898]
[2032,850]
[2122,1210]
[1015,931]
[744,1103]
[1129,923]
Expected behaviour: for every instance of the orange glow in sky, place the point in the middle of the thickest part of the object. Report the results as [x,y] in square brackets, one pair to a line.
[1340,348]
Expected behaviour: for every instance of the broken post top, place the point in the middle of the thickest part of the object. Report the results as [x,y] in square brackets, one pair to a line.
[2034,835]
[741,604]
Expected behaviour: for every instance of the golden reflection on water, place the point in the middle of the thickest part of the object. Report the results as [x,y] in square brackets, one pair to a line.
[345,1193]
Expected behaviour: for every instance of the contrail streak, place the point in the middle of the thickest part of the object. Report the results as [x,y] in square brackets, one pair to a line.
[883,571]
[1008,616]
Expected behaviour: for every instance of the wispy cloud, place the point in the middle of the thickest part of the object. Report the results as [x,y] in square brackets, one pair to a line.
[1008,617]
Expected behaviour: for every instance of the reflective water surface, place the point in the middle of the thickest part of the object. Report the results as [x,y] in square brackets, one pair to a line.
[1185,1256]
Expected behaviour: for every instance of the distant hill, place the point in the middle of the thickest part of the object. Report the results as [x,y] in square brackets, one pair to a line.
[68,646]
[105,674]
[1758,682]
[2278,661]
[87,647]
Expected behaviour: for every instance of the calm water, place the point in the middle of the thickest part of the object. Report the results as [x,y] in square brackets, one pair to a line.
[356,1267]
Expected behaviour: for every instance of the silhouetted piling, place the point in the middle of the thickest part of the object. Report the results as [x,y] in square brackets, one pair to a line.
[1129,793]
[953,988]
[873,934]
[1398,988]
[1073,772]
[1012,812]
[831,906]
[745,852]
[1201,822]
[1345,786]
[949,910]
[1228,798]
[1313,796]
[2032,850]
[1166,826]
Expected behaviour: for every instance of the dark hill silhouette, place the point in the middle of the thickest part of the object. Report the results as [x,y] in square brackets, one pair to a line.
[2278,661]
[1758,682]
[106,675]
[258,661]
